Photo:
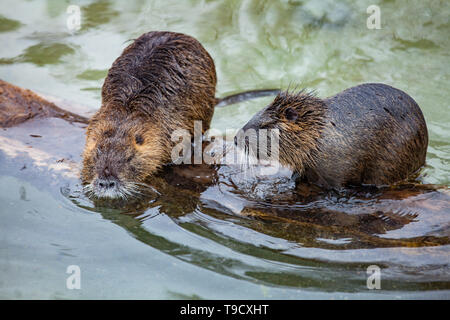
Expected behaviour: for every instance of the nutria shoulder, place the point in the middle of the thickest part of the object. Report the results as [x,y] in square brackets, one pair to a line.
[368,134]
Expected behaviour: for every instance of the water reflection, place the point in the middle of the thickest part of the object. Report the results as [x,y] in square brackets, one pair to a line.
[42,54]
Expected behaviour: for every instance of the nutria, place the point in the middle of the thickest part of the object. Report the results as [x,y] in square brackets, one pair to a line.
[163,81]
[369,134]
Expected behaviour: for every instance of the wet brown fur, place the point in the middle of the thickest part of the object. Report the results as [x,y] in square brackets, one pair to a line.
[162,82]
[369,134]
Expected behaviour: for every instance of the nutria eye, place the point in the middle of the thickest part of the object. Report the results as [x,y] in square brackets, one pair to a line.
[291,114]
[139,139]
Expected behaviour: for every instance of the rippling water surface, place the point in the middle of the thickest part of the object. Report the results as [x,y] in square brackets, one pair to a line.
[216,240]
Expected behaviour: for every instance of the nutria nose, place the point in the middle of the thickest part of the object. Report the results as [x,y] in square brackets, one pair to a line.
[106,184]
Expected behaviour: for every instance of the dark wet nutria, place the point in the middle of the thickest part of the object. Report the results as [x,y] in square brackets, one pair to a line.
[369,134]
[163,81]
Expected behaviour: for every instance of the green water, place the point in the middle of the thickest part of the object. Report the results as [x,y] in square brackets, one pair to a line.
[200,251]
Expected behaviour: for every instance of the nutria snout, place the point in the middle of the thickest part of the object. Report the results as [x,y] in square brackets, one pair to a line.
[369,134]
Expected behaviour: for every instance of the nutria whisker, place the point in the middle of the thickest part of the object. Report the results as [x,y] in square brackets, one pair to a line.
[144,186]
[247,161]
[88,188]
[138,189]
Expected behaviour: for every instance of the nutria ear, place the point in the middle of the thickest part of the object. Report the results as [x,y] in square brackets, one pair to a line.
[291,114]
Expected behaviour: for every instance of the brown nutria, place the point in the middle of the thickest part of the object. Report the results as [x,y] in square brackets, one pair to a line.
[163,81]
[369,134]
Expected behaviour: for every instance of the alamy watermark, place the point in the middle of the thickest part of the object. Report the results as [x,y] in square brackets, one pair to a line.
[74,280]
[374,20]
[374,278]
[73,21]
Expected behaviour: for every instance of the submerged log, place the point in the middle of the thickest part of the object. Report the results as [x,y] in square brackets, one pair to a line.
[18,105]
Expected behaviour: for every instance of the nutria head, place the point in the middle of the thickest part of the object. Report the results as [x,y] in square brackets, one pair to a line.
[121,152]
[299,118]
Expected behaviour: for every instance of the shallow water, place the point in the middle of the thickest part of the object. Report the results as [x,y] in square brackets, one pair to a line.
[214,242]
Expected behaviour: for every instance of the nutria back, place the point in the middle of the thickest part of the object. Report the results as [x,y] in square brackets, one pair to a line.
[369,134]
[374,134]
[166,72]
